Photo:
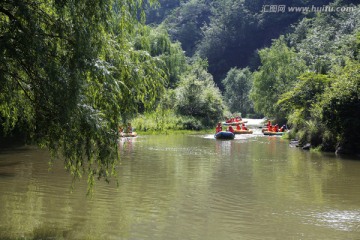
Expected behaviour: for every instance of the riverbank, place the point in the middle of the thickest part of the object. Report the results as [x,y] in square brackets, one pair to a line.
[175,132]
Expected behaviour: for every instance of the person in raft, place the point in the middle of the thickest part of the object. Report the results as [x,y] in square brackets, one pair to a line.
[238,127]
[218,127]
[129,128]
[243,127]
[230,129]
[230,120]
[283,128]
[276,128]
[268,124]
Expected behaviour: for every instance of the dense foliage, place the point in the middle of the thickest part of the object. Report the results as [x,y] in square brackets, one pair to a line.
[70,74]
[341,109]
[156,13]
[195,103]
[198,96]
[157,43]
[237,84]
[276,75]
[185,22]
[229,32]
[311,77]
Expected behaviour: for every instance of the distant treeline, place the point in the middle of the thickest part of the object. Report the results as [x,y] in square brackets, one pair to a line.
[228,33]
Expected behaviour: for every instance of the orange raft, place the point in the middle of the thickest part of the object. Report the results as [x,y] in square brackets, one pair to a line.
[243,131]
[233,123]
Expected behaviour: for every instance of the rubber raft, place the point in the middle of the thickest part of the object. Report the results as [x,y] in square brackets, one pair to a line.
[224,135]
[243,131]
[273,133]
[233,123]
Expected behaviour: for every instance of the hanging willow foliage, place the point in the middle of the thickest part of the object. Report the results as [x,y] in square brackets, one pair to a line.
[69,73]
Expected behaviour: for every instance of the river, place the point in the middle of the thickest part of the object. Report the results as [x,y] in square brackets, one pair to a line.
[185,187]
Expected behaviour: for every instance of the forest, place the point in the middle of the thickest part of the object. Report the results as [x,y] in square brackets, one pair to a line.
[72,71]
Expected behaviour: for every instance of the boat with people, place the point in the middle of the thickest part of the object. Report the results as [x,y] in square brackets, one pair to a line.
[274,130]
[230,130]
[127,132]
[224,135]
[242,129]
[236,131]
[268,133]
[234,123]
[132,134]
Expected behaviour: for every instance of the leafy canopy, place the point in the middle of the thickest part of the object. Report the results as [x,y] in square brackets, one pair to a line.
[69,73]
[237,84]
[277,74]
[197,95]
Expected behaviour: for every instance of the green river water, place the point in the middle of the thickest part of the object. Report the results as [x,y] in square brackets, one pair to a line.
[186,187]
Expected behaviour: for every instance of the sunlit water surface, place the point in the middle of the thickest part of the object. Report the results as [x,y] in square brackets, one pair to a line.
[186,187]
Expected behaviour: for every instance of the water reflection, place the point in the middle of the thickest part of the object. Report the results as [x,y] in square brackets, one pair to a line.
[338,220]
[186,187]
[127,144]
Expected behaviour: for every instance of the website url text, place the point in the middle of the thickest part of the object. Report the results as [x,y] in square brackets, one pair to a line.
[284,8]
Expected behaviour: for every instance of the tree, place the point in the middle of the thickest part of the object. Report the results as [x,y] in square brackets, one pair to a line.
[341,107]
[197,95]
[237,86]
[326,40]
[185,22]
[156,13]
[305,93]
[302,105]
[277,75]
[230,36]
[157,42]
[69,74]
[238,28]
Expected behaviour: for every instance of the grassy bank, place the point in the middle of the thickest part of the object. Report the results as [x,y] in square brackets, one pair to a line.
[167,122]
[176,132]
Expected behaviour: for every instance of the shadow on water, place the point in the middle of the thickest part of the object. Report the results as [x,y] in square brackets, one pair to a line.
[9,164]
[17,138]
[41,232]
[14,149]
[334,156]
[354,158]
[6,175]
[6,168]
